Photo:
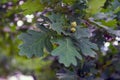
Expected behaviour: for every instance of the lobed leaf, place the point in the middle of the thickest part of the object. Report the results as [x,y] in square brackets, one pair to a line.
[34,42]
[57,22]
[87,48]
[66,52]
[82,42]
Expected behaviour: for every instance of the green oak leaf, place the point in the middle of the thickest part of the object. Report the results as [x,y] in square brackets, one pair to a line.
[87,48]
[57,22]
[82,42]
[34,42]
[32,6]
[66,52]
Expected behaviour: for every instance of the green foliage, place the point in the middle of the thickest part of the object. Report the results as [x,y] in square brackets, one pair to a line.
[66,52]
[87,47]
[81,33]
[117,10]
[34,43]
[5,1]
[79,46]
[71,44]
[110,23]
[83,43]
[57,22]
[32,6]
[94,6]
[69,1]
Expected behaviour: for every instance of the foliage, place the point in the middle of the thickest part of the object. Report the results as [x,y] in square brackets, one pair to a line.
[95,7]
[58,23]
[74,33]
[32,6]
[36,42]
[66,51]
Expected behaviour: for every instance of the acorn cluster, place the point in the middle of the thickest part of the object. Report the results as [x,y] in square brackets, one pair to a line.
[73,26]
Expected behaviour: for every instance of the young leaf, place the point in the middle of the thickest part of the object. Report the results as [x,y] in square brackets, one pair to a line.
[66,52]
[94,6]
[110,23]
[34,43]
[31,6]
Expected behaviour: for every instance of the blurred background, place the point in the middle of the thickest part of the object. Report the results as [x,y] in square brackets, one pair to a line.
[13,65]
